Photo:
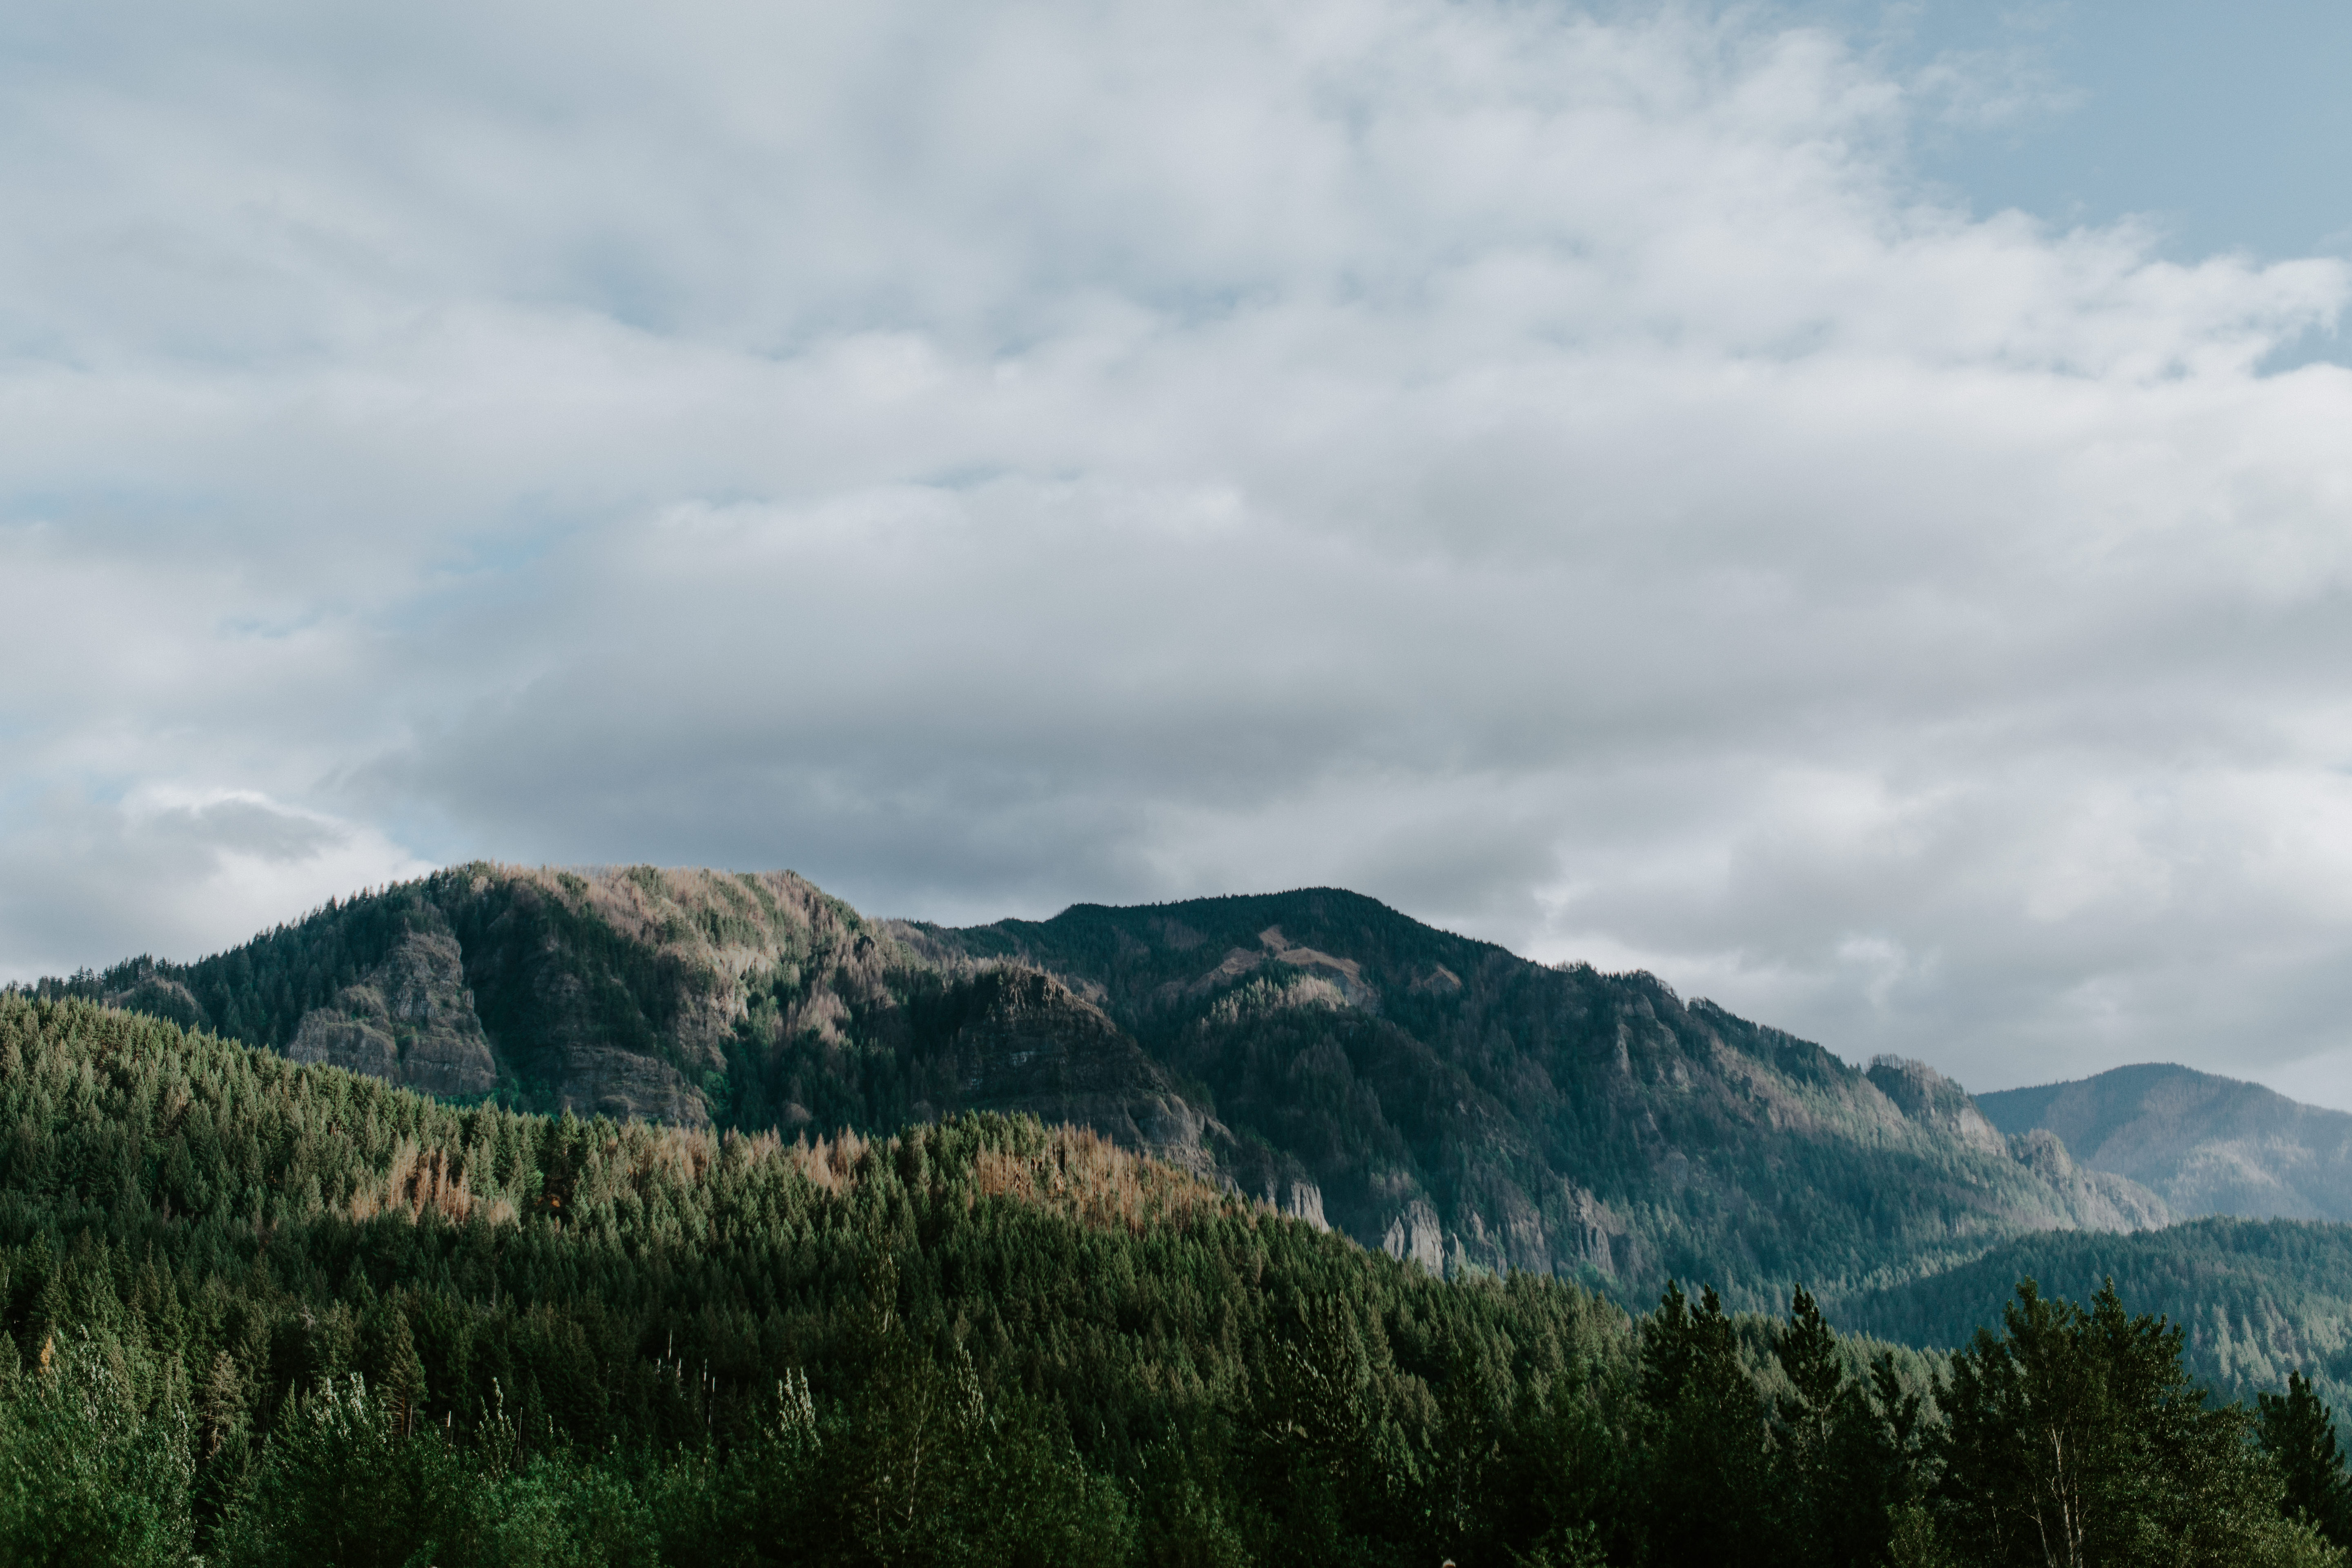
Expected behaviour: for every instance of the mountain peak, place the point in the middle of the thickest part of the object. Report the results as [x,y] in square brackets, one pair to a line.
[2208,1144]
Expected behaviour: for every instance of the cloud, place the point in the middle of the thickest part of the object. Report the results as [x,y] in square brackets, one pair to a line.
[167,870]
[1562,475]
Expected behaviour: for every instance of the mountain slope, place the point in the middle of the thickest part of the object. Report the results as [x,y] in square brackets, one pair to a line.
[265,1312]
[199,1237]
[1433,1096]
[1459,1104]
[2209,1145]
[2257,1299]
[684,997]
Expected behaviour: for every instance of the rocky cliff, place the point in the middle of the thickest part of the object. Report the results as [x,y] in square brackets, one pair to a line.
[409,1019]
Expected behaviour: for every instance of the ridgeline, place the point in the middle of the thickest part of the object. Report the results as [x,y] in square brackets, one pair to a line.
[1431,1095]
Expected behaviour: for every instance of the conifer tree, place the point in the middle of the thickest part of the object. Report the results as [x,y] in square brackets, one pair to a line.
[2298,1433]
[1709,1475]
[2077,1439]
[1842,1464]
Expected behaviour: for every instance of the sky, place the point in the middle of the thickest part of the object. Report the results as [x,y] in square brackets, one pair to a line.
[1846,506]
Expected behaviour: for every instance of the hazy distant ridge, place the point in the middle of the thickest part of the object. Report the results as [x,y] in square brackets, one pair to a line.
[2207,1145]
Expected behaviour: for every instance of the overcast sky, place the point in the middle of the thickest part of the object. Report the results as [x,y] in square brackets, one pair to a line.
[1846,506]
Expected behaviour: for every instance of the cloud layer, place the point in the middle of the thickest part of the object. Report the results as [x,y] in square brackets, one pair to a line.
[1562,476]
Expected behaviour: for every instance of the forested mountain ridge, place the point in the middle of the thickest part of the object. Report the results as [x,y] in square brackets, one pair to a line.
[1431,1095]
[1550,1118]
[206,1245]
[691,998]
[2209,1145]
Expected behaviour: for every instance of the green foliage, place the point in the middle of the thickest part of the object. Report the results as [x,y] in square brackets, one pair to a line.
[2298,1433]
[1849,1454]
[342,1482]
[1548,1119]
[2256,1301]
[1709,1501]
[93,1470]
[276,1314]
[2077,1437]
[561,1510]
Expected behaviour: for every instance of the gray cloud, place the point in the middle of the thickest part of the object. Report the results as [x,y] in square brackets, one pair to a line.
[1560,475]
[168,871]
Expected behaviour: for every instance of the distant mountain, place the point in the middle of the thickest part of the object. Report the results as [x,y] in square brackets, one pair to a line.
[2209,1145]
[2256,1298]
[1433,1096]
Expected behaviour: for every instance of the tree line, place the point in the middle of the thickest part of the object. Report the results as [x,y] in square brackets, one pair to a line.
[260,1313]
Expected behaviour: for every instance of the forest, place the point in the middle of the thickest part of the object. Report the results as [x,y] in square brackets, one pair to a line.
[2257,1300]
[264,1313]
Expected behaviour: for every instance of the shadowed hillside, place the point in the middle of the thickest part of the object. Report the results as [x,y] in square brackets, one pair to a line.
[269,1314]
[1453,1101]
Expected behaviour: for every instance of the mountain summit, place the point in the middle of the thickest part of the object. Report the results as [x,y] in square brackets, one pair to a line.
[1436,1096]
[2209,1145]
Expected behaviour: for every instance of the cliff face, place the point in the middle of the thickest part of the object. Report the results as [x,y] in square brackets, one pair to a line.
[1433,1096]
[410,1020]
[1032,1046]
[1931,1099]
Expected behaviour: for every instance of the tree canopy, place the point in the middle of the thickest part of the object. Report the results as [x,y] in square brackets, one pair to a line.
[270,1314]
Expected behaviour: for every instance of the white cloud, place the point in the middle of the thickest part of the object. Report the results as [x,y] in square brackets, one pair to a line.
[168,869]
[1560,475]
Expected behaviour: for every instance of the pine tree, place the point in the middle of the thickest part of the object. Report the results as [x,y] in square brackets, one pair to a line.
[1709,1501]
[1840,1464]
[2076,1438]
[2298,1433]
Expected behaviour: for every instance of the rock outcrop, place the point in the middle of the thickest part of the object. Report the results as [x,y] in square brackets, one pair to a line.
[410,1020]
[1931,1099]
[1416,1234]
[607,1080]
[2099,1200]
[1034,1046]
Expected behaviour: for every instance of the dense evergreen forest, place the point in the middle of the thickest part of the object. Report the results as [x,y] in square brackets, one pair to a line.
[269,1312]
[2258,1300]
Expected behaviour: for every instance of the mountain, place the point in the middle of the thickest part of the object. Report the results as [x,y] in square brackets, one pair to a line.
[2256,1298]
[1432,1096]
[1466,1106]
[691,998]
[2209,1145]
